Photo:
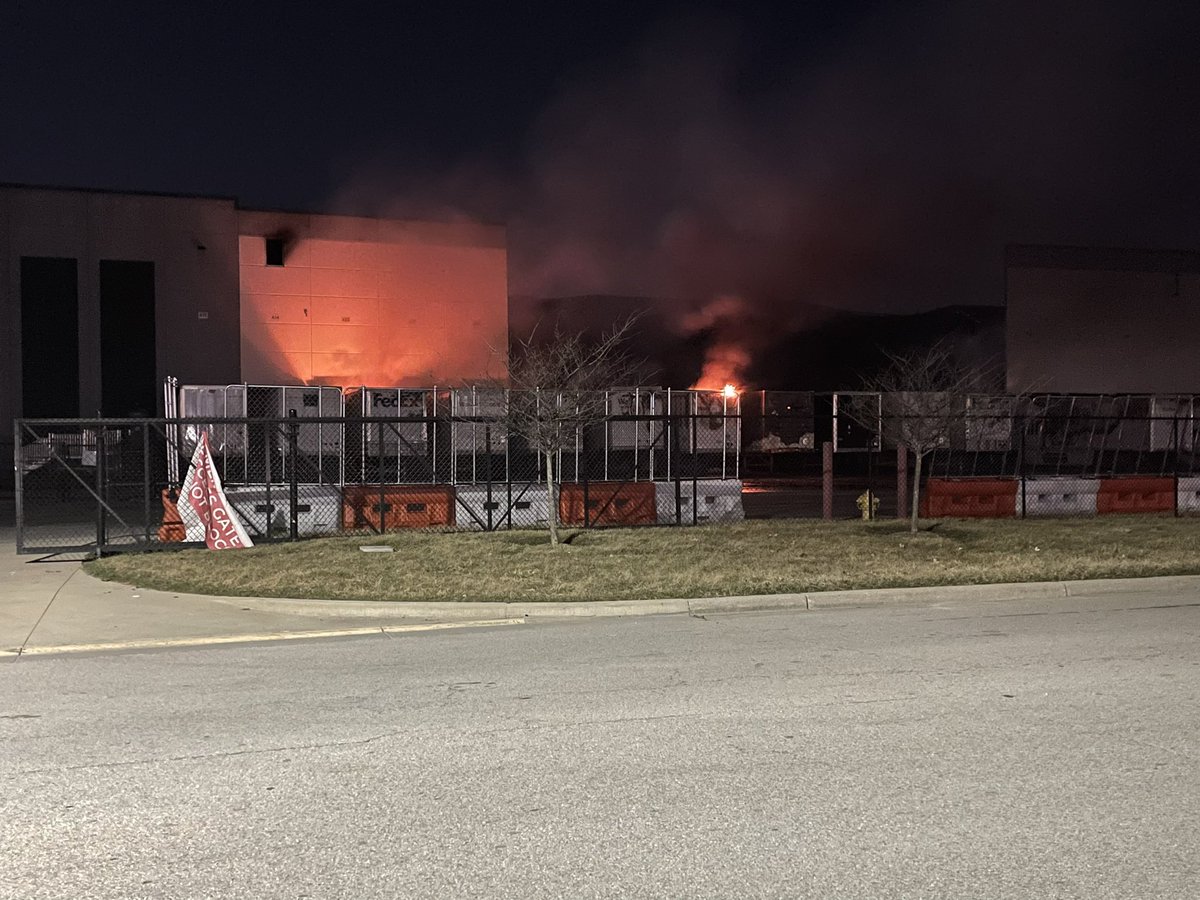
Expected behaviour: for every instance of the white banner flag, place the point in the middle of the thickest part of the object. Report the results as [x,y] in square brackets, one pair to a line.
[203,508]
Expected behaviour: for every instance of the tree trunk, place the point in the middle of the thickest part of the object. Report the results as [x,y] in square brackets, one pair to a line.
[916,493]
[552,490]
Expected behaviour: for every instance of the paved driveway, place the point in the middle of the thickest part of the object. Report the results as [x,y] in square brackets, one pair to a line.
[1044,749]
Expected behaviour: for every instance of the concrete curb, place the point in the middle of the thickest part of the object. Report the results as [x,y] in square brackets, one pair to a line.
[1042,590]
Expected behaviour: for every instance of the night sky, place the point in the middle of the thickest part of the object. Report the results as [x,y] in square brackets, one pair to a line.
[849,155]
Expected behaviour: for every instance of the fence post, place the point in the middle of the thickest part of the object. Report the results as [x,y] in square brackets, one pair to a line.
[694,423]
[1175,463]
[268,474]
[870,481]
[19,483]
[383,511]
[487,440]
[901,482]
[293,486]
[1021,461]
[100,489]
[146,477]
[827,481]
[508,507]
[673,461]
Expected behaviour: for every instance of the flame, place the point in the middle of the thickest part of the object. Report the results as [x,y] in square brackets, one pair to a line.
[721,323]
[724,365]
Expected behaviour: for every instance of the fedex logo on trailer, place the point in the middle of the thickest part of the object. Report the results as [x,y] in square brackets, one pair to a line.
[397,400]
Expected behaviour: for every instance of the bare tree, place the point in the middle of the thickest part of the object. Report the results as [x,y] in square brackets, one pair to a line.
[921,403]
[557,388]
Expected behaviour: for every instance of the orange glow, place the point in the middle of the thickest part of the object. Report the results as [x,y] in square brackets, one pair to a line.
[350,310]
[724,366]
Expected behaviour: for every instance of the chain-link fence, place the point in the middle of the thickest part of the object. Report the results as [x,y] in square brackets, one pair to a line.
[303,462]
[1044,458]
[112,484]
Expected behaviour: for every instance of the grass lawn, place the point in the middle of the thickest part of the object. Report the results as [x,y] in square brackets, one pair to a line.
[760,557]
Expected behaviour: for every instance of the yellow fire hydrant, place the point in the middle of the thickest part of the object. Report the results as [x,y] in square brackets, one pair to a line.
[868,505]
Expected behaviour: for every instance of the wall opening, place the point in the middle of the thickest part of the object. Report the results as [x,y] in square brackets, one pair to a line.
[49,337]
[128,373]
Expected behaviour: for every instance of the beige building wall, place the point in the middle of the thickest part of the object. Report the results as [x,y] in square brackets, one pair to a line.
[192,242]
[357,301]
[1103,321]
[369,301]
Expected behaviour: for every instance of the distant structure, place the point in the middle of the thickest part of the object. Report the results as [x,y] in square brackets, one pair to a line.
[103,294]
[1102,321]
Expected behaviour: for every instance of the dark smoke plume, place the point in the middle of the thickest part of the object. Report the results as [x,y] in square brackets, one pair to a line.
[885,176]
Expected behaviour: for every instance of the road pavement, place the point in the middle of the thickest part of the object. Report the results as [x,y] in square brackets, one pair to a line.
[961,749]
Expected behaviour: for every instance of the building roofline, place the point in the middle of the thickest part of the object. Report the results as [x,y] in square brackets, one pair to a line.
[226,198]
[66,188]
[1110,259]
[284,211]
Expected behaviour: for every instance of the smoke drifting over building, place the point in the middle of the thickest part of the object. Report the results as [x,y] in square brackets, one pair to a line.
[883,177]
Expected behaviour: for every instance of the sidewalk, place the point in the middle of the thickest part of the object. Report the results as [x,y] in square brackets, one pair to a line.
[52,606]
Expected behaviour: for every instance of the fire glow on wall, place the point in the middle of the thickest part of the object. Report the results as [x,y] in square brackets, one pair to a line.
[363,301]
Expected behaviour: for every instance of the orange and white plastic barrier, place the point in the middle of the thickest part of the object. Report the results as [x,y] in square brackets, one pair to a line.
[1135,495]
[712,500]
[1189,495]
[607,503]
[970,498]
[392,506]
[1058,496]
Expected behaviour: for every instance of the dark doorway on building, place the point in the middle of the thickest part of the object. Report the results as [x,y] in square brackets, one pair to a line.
[128,374]
[49,337]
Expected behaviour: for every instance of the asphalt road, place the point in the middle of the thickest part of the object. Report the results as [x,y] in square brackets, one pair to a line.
[965,751]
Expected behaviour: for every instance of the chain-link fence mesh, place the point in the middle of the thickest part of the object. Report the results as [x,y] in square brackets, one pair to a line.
[304,462]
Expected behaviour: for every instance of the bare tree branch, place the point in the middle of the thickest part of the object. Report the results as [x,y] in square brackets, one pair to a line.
[558,388]
[920,399]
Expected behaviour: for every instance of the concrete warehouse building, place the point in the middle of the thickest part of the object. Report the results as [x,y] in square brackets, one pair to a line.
[103,294]
[1102,321]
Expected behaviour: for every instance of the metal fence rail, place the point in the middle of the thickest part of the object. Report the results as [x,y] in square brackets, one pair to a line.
[106,484]
[110,484]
